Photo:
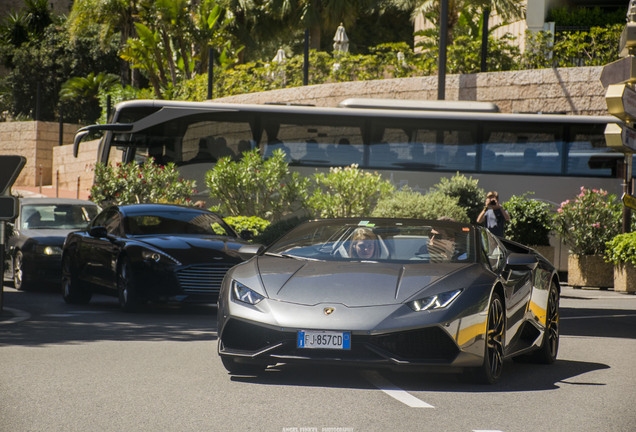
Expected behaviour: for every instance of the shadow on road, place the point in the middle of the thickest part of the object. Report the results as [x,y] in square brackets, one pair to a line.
[51,321]
[517,377]
[596,322]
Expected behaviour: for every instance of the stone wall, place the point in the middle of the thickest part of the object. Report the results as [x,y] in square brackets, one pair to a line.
[34,140]
[567,90]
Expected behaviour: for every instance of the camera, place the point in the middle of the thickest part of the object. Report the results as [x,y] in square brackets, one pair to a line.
[492,203]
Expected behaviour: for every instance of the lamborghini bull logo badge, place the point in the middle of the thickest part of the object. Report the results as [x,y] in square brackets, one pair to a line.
[328,310]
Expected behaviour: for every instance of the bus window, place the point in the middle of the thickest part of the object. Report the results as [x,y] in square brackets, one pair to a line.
[314,144]
[522,151]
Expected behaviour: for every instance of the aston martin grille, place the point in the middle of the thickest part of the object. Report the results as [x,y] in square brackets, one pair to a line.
[202,278]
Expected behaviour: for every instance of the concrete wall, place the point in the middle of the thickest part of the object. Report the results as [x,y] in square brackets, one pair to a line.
[566,90]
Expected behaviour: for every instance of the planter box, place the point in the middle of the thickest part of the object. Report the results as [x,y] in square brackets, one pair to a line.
[590,271]
[625,278]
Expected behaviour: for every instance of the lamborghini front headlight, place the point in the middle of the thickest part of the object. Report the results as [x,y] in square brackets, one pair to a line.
[437,301]
[244,294]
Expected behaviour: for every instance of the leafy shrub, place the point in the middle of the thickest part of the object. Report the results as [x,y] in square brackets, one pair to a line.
[277,229]
[530,220]
[250,223]
[469,195]
[621,249]
[409,204]
[589,221]
[585,17]
[347,192]
[254,186]
[146,183]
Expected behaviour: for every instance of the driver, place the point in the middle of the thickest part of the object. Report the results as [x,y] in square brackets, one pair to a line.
[364,244]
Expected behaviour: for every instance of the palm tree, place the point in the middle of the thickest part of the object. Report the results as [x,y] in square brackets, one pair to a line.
[113,16]
[86,91]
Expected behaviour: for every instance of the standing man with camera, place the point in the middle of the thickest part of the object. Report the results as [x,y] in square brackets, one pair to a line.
[494,214]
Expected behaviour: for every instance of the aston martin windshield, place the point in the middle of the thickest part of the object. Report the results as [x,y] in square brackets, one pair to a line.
[176,222]
[405,240]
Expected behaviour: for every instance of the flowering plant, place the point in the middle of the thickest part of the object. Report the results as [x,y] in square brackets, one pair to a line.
[589,221]
[146,183]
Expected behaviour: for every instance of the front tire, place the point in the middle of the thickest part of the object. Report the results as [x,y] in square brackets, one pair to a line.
[18,272]
[72,290]
[490,371]
[549,349]
[129,298]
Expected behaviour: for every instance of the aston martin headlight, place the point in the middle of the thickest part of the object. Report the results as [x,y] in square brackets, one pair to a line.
[437,301]
[49,250]
[243,294]
[153,255]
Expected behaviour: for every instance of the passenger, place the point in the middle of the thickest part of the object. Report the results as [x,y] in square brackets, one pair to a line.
[364,245]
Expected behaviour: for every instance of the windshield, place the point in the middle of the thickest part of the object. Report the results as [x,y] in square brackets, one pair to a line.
[385,240]
[57,216]
[175,222]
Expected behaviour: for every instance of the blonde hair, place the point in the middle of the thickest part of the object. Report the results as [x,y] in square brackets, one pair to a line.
[363,234]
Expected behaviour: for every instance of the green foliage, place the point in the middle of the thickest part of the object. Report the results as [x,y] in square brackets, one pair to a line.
[596,47]
[621,249]
[409,204]
[467,191]
[279,228]
[250,223]
[147,183]
[585,17]
[347,192]
[254,186]
[589,221]
[530,220]
[85,91]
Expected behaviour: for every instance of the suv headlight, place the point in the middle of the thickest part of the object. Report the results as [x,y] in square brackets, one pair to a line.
[245,295]
[48,250]
[437,301]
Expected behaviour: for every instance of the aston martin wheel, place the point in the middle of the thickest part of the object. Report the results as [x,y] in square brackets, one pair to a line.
[547,354]
[129,298]
[72,290]
[490,371]
[237,368]
[18,272]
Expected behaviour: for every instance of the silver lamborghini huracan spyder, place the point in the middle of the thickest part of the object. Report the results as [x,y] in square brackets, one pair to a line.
[389,292]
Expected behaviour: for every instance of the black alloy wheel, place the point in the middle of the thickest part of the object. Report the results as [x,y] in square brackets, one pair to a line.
[549,349]
[490,371]
[18,271]
[72,290]
[129,299]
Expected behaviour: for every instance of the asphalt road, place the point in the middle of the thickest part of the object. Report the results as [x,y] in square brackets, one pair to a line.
[94,368]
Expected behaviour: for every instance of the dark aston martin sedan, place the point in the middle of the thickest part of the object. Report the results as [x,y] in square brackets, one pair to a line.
[145,252]
[35,244]
[389,292]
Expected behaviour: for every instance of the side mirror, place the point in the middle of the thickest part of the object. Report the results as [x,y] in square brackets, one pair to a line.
[247,234]
[248,251]
[98,231]
[518,261]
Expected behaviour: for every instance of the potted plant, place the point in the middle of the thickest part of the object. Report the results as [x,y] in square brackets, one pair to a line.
[530,223]
[586,223]
[621,251]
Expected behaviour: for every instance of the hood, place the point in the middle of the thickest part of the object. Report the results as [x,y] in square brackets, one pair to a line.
[53,237]
[193,248]
[352,284]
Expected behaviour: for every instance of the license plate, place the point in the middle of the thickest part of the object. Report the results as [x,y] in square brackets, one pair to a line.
[324,339]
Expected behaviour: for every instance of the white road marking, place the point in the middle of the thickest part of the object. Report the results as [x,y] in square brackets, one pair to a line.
[395,392]
[598,316]
[19,316]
